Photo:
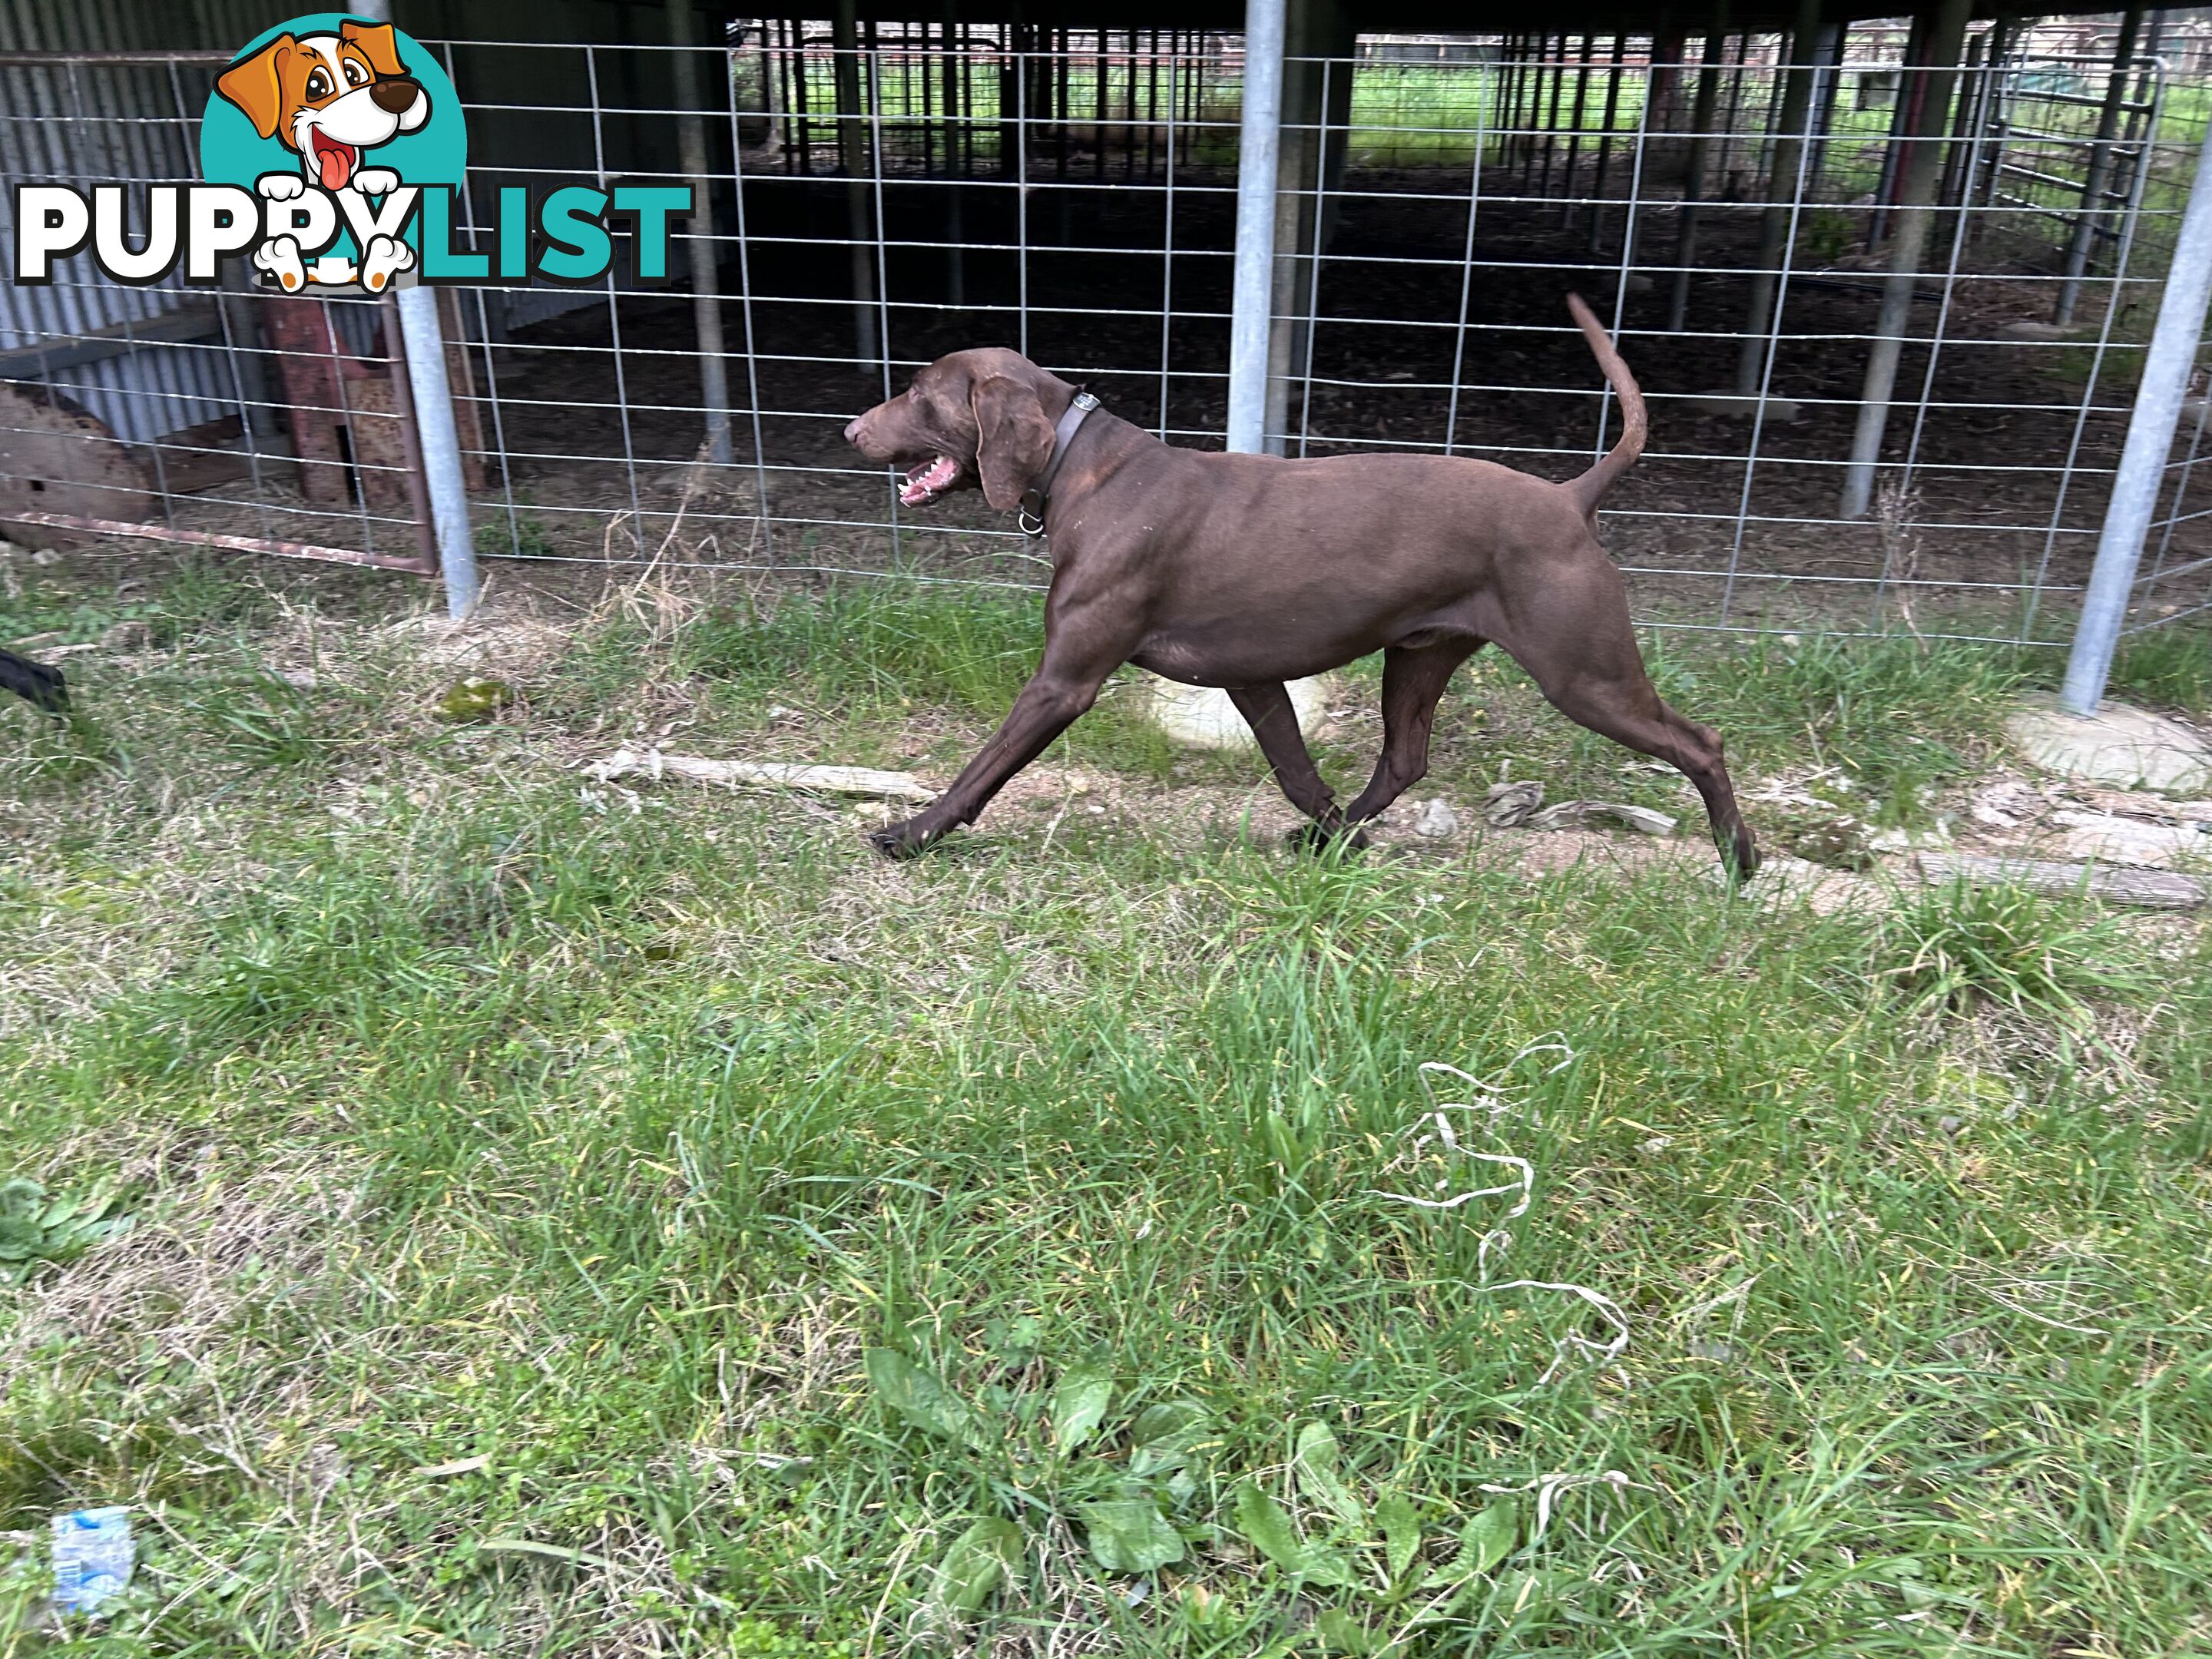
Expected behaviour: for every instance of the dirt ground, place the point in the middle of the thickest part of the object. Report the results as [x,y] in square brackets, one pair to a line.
[1815,854]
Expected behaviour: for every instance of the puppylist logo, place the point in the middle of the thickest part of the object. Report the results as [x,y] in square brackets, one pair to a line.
[334,151]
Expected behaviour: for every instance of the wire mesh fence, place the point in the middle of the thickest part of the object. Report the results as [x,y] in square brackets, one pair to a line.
[1737,207]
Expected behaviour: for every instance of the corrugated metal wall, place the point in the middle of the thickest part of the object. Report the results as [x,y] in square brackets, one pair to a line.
[86,123]
[89,123]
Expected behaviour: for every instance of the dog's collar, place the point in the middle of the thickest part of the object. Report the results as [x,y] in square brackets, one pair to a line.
[1036,497]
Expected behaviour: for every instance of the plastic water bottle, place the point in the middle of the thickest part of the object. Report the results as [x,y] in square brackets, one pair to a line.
[93,1557]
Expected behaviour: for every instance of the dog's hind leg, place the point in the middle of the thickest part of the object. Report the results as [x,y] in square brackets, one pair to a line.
[1576,643]
[1267,710]
[1632,713]
[1414,681]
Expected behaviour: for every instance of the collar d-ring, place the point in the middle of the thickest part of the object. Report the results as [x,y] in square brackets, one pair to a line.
[1030,517]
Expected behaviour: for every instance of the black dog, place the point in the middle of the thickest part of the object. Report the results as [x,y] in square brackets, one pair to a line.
[34,681]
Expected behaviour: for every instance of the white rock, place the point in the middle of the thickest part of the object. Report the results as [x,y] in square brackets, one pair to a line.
[653,766]
[1594,814]
[2113,840]
[2116,746]
[1204,718]
[1437,820]
[1937,835]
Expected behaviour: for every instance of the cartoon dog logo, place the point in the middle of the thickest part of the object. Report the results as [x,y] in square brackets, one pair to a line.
[330,98]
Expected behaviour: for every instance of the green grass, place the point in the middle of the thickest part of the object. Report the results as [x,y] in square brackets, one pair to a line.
[566,1227]
[2168,667]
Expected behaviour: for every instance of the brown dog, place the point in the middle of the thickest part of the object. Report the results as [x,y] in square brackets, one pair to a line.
[1246,571]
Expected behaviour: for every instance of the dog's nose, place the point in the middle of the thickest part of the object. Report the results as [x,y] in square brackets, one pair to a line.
[395,95]
[852,431]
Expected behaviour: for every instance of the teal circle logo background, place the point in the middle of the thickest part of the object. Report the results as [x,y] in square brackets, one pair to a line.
[233,153]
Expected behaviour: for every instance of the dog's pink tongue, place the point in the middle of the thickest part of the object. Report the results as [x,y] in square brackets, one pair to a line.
[337,167]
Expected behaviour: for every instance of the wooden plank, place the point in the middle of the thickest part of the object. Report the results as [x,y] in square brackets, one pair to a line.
[190,322]
[826,780]
[2155,889]
[154,533]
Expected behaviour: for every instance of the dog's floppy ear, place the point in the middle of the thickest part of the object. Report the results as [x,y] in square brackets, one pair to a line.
[376,40]
[256,85]
[1013,440]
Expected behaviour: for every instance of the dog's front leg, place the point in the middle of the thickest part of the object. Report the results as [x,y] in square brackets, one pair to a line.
[1046,706]
[1083,644]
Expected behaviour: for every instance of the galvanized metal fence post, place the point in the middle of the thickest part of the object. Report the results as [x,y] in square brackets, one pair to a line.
[2141,472]
[1258,148]
[440,437]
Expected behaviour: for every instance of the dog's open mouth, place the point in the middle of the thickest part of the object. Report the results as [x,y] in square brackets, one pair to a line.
[925,483]
[335,162]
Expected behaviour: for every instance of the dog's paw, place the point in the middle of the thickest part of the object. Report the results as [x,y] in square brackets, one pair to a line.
[376,181]
[901,841]
[387,254]
[1739,859]
[280,186]
[1317,839]
[280,256]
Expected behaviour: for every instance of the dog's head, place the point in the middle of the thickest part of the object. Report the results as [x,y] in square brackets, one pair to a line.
[982,417]
[329,97]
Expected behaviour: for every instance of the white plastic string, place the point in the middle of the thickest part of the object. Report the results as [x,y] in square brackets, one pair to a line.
[1434,1129]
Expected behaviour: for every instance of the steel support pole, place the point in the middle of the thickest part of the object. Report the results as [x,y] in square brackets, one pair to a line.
[1258,150]
[440,438]
[2141,472]
[441,445]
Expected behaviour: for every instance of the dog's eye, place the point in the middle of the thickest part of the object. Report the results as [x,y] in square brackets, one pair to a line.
[355,74]
[319,85]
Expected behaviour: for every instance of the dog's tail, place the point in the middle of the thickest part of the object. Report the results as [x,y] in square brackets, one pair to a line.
[34,681]
[1589,489]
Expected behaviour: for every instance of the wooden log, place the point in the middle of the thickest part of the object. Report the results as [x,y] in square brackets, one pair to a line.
[824,780]
[2155,889]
